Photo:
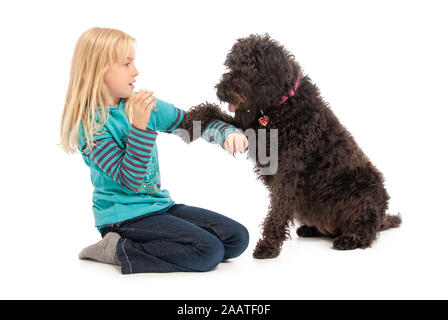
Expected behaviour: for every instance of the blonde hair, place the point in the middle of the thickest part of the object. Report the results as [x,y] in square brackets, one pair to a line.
[96,51]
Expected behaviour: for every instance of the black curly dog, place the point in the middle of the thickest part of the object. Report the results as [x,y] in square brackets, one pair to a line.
[323,179]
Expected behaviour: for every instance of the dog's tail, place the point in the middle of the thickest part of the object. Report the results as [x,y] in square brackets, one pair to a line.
[390,222]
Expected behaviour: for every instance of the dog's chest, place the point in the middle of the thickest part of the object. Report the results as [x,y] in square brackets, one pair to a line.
[263,143]
[324,225]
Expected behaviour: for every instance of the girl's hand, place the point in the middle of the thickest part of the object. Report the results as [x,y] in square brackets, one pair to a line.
[236,142]
[143,103]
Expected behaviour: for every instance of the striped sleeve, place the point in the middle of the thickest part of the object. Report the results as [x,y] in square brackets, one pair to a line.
[178,116]
[126,166]
[166,117]
[217,132]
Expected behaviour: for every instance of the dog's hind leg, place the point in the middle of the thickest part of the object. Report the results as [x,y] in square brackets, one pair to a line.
[359,231]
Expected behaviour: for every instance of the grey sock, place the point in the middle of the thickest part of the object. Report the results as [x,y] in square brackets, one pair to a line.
[104,250]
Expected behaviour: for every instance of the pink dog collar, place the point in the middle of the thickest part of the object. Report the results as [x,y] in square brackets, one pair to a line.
[291,93]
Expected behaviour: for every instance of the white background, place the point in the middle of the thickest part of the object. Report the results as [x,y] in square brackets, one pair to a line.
[382,66]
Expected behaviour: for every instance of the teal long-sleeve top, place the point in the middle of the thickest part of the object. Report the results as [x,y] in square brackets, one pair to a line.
[124,167]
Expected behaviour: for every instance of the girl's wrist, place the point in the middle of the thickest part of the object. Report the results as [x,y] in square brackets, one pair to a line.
[139,126]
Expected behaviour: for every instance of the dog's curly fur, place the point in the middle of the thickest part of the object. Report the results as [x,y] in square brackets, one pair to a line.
[324,180]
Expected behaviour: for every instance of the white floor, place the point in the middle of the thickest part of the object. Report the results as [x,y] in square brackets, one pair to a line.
[397,267]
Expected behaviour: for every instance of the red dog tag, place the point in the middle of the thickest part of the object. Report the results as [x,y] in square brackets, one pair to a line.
[263,121]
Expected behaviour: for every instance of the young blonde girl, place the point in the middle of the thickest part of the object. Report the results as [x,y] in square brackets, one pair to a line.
[115,130]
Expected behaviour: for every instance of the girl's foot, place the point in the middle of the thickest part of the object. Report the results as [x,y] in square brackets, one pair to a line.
[103,251]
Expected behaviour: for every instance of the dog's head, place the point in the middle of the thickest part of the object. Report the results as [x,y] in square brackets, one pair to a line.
[260,72]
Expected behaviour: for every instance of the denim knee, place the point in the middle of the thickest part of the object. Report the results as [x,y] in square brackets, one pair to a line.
[239,242]
[212,253]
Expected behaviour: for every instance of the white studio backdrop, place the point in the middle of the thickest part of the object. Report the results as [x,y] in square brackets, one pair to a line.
[381,65]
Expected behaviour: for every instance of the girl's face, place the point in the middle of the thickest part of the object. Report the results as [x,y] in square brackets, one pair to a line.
[120,77]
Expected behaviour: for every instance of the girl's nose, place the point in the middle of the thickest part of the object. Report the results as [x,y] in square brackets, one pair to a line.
[136,73]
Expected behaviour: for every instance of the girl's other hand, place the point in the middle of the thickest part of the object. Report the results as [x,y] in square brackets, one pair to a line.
[236,142]
[144,102]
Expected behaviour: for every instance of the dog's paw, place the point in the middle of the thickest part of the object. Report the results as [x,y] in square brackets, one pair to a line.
[264,251]
[346,243]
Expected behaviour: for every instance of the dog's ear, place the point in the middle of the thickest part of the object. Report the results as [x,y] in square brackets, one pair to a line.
[280,72]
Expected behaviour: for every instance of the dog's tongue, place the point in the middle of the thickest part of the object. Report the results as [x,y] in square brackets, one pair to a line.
[232,108]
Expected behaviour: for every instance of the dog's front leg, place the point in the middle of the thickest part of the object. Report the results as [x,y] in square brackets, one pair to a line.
[275,231]
[201,115]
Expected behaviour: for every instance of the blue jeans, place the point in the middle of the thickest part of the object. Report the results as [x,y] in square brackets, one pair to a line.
[184,238]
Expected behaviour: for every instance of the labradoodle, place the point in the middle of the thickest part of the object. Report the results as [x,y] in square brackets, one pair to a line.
[323,179]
